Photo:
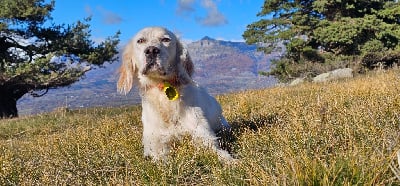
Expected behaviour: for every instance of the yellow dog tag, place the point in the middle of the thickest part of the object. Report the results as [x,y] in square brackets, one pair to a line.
[170,91]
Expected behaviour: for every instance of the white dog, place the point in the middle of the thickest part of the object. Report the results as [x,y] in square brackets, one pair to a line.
[173,104]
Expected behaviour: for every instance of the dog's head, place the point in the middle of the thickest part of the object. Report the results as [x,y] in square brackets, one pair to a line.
[155,54]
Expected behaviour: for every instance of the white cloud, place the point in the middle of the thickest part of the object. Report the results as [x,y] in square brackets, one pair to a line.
[231,40]
[108,16]
[213,16]
[185,7]
[88,10]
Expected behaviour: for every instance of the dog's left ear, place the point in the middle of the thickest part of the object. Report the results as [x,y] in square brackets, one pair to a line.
[185,60]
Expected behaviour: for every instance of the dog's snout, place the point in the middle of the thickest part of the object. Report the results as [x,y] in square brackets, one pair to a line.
[151,50]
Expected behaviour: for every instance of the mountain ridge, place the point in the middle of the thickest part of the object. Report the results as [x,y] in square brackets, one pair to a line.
[220,66]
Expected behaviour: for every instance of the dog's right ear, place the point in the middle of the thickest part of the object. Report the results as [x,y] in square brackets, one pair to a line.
[127,71]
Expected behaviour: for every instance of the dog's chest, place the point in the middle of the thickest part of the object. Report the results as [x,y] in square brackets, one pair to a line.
[167,110]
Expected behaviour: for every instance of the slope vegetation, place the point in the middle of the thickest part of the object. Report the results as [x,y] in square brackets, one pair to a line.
[337,133]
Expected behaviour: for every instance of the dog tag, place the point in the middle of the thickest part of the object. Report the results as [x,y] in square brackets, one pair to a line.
[170,91]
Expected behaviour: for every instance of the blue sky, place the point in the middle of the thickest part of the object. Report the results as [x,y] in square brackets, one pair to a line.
[190,19]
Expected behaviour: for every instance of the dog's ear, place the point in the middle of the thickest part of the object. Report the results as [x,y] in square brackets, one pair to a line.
[127,71]
[185,60]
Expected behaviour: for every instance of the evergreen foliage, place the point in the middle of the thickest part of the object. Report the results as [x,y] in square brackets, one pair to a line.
[326,34]
[37,55]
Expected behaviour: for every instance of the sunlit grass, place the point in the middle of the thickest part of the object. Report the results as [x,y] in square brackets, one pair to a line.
[345,132]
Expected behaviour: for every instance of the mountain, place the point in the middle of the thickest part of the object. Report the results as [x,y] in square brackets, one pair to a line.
[226,66]
[220,67]
[232,58]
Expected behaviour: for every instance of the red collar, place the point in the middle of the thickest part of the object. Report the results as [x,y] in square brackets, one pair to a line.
[174,82]
[171,92]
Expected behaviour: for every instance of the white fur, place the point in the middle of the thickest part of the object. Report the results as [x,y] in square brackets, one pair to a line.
[195,112]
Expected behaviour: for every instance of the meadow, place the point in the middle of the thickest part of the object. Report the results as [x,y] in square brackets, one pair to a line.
[344,132]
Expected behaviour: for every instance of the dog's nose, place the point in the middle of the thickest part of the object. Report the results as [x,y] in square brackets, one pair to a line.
[151,51]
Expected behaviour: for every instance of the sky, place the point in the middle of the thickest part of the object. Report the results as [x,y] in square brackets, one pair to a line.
[191,20]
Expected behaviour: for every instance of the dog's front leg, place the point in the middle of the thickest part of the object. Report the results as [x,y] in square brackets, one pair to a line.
[198,126]
[155,144]
[208,138]
[155,141]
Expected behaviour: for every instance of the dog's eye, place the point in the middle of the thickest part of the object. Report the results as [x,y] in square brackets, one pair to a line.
[165,39]
[141,40]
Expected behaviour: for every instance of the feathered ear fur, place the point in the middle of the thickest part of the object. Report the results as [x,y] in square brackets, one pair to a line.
[185,60]
[127,71]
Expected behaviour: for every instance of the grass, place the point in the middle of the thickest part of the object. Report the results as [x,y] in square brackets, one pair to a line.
[338,133]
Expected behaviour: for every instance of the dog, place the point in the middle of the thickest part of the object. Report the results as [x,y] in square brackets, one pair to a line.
[173,105]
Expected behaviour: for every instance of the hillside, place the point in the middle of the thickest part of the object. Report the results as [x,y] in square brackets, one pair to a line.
[220,67]
[339,133]
[229,58]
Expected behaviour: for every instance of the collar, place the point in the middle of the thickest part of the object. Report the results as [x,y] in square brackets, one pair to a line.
[170,88]
[172,82]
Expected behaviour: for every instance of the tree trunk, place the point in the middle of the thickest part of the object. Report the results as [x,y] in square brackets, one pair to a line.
[8,104]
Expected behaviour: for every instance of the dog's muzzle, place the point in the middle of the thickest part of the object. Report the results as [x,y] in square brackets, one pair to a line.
[152,53]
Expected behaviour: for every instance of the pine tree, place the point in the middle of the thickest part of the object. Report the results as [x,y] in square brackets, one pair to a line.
[37,55]
[324,34]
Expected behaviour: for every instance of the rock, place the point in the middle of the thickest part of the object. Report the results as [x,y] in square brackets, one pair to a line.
[296,81]
[334,75]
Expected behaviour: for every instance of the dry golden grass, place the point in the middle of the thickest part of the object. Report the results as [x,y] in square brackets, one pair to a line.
[338,133]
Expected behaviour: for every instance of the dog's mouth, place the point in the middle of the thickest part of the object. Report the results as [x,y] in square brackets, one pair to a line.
[154,63]
[153,67]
